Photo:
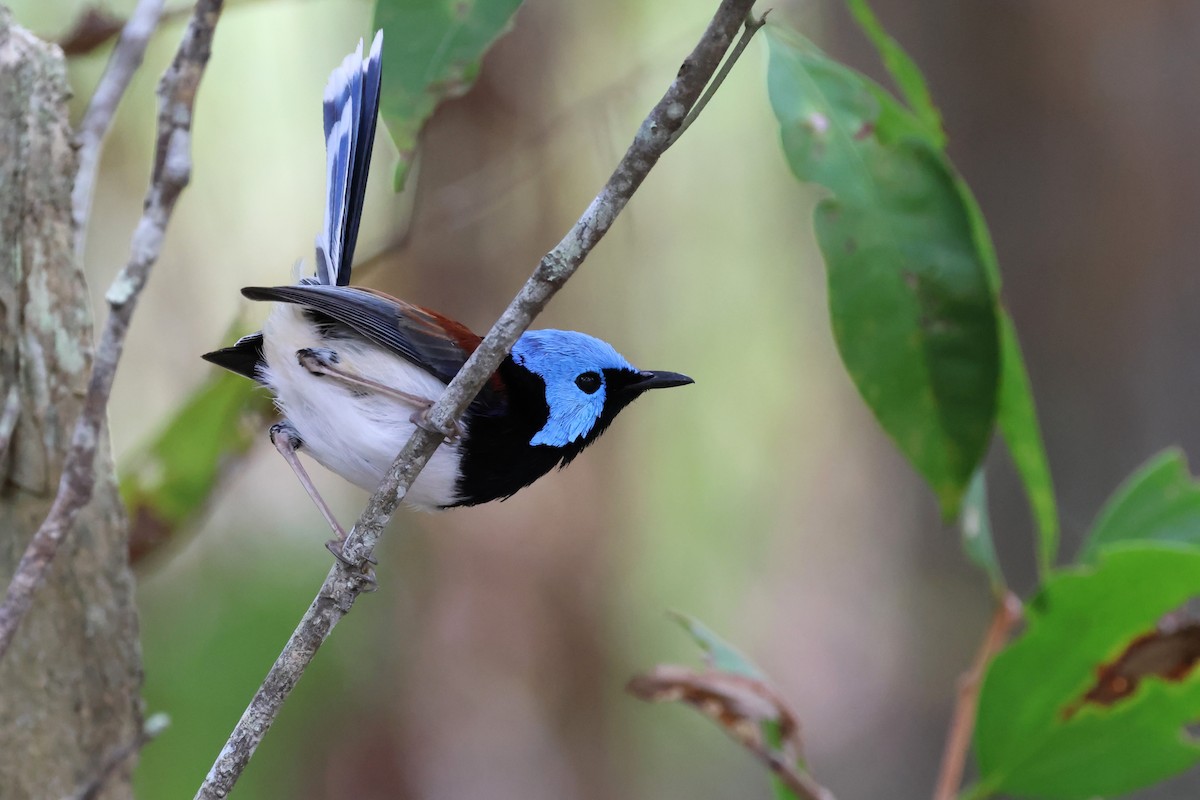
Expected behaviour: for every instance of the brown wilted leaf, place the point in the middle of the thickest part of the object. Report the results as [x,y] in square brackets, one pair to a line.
[1166,653]
[739,704]
[92,28]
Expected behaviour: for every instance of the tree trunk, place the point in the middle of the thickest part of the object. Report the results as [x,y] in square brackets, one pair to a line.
[69,686]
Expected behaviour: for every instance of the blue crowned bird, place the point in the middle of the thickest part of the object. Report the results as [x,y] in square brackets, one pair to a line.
[353,370]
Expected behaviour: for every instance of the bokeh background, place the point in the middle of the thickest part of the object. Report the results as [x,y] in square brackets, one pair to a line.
[764,500]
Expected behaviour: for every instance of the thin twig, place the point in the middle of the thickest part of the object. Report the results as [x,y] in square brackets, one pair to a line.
[125,59]
[751,27]
[172,169]
[958,740]
[343,584]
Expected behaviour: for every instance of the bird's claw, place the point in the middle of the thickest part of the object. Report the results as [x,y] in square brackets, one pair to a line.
[452,432]
[317,360]
[364,570]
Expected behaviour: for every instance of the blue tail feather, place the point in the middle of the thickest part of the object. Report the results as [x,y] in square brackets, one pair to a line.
[351,108]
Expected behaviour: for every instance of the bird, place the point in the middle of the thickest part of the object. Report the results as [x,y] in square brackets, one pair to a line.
[354,371]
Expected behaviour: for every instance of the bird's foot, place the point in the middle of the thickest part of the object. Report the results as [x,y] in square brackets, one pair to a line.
[452,433]
[285,434]
[317,360]
[363,570]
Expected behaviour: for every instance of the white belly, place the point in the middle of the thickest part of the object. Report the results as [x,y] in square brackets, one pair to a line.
[354,434]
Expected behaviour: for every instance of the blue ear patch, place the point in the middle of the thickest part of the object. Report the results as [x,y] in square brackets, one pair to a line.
[558,358]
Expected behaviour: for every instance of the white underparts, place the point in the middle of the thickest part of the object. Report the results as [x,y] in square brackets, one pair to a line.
[349,431]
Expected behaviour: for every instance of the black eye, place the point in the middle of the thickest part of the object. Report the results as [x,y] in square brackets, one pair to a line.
[588,382]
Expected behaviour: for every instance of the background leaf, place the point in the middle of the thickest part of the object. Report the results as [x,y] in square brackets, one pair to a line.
[420,71]
[167,483]
[912,308]
[1159,502]
[1034,738]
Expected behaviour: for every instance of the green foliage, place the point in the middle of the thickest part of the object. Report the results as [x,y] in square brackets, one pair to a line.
[1035,735]
[167,482]
[906,338]
[1159,502]
[724,657]
[977,532]
[913,310]
[434,50]
[718,652]
[1019,426]
[903,70]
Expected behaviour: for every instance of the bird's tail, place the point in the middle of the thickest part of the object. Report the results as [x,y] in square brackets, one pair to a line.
[351,109]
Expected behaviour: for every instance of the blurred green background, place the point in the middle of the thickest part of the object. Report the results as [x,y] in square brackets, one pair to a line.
[764,500]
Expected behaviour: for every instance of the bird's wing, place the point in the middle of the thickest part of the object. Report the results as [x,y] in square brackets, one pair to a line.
[431,341]
[351,107]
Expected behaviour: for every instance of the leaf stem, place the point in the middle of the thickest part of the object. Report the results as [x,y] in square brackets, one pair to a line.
[962,723]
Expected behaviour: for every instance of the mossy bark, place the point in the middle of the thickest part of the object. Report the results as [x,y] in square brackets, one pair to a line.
[70,685]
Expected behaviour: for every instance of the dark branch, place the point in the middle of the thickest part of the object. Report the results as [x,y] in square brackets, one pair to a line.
[343,584]
[172,169]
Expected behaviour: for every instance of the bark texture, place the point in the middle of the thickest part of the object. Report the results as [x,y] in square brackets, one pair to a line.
[70,685]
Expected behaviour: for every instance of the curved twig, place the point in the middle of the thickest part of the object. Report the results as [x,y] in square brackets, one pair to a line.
[343,584]
[125,59]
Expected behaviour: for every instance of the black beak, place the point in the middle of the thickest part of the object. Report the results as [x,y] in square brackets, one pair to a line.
[659,380]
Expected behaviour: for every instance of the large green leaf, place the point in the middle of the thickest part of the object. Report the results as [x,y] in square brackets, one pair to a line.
[1035,734]
[913,310]
[1159,502]
[433,52]
[1016,413]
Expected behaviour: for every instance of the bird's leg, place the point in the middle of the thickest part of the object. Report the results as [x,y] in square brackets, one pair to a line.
[322,361]
[287,441]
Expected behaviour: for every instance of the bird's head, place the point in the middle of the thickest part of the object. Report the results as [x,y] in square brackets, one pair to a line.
[587,383]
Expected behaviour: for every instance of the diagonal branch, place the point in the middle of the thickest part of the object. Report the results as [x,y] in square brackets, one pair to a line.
[343,584]
[125,59]
[172,169]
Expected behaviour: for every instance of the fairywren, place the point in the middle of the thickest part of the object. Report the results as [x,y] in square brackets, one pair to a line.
[353,370]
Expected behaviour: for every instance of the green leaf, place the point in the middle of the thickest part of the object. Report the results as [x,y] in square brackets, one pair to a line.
[913,310]
[1035,735]
[167,482]
[433,50]
[722,655]
[977,532]
[1019,425]
[904,72]
[1016,415]
[1159,502]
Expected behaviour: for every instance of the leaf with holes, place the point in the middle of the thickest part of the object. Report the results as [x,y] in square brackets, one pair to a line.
[913,311]
[1053,723]
[433,52]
